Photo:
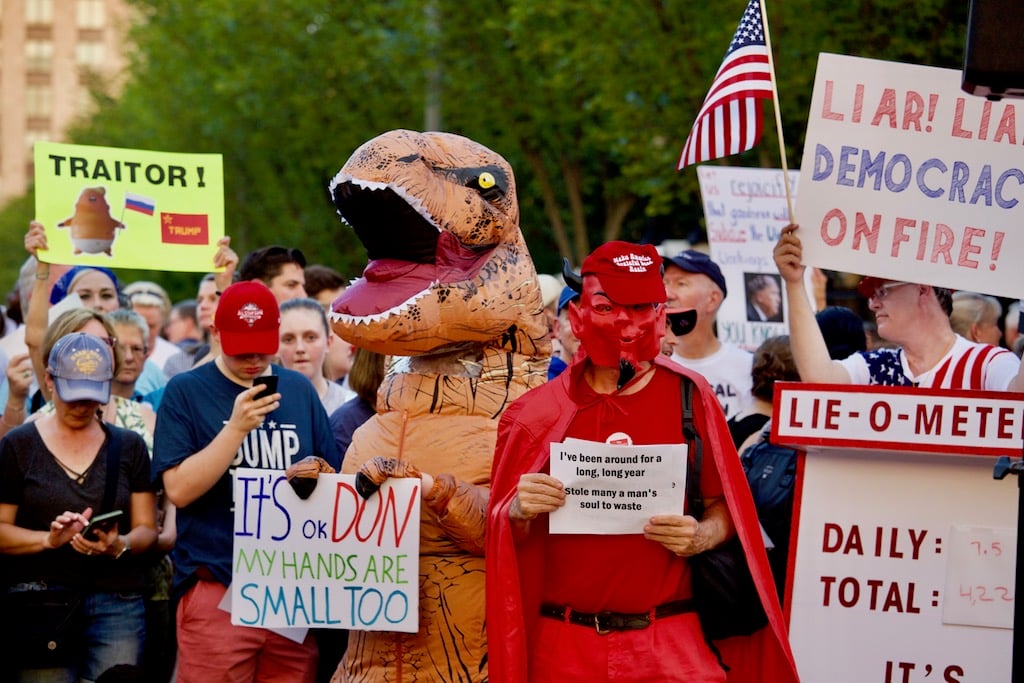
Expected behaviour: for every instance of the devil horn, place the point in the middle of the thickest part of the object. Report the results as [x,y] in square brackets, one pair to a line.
[572,280]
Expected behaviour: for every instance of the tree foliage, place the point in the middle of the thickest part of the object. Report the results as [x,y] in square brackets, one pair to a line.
[590,102]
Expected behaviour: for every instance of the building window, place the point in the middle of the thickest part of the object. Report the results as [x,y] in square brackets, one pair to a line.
[89,54]
[39,55]
[39,101]
[91,13]
[39,11]
[31,138]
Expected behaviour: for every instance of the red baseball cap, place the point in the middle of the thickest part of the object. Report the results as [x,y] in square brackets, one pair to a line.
[629,273]
[248,319]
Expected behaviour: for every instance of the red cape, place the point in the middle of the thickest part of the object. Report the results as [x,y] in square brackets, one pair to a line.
[515,571]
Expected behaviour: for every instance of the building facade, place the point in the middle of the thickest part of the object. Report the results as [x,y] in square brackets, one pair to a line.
[50,51]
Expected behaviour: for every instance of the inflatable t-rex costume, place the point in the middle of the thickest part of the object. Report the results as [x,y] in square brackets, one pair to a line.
[451,288]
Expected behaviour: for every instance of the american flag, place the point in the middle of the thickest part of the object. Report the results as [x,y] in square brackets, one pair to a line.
[729,121]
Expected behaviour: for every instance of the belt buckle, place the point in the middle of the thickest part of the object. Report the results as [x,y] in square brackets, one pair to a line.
[597,623]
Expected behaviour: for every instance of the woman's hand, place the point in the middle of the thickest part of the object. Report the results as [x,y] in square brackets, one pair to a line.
[106,543]
[226,258]
[19,378]
[35,238]
[66,527]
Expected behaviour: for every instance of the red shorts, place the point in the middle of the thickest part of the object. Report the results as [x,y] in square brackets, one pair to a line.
[211,648]
[669,650]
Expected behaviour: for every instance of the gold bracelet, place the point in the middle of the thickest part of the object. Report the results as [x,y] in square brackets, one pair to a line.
[43,276]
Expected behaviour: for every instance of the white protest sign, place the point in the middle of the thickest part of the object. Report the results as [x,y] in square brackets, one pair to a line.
[331,561]
[875,561]
[613,488]
[906,177]
[745,210]
[902,557]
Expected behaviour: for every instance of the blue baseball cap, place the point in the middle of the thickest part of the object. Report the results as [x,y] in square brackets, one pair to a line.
[693,261]
[567,294]
[82,366]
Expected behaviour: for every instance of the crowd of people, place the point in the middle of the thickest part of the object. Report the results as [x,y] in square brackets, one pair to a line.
[120,404]
[117,399]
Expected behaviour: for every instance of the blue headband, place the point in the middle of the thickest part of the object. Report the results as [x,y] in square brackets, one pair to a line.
[60,289]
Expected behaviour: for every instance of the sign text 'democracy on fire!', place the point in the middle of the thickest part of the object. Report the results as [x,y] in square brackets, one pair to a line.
[906,177]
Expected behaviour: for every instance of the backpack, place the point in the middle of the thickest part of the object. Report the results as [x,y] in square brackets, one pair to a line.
[724,592]
[771,473]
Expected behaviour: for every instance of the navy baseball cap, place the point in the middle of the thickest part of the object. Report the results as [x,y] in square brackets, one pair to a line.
[693,261]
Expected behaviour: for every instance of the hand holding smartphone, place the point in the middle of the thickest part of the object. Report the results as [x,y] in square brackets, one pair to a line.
[106,523]
[269,383]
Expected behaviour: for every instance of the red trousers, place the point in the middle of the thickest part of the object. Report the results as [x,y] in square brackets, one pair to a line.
[211,648]
[671,650]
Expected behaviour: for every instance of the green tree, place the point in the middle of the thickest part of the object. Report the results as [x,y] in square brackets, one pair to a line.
[590,102]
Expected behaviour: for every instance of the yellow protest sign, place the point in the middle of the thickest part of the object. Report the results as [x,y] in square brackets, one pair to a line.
[129,208]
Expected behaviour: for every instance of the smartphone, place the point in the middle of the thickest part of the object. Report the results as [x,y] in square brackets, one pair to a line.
[270,385]
[106,522]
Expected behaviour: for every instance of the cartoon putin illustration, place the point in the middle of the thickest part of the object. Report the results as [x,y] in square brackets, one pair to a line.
[92,226]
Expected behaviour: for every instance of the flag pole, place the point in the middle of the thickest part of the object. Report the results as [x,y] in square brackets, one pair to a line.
[775,105]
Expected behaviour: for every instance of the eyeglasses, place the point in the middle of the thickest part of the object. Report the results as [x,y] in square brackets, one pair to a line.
[882,291]
[136,350]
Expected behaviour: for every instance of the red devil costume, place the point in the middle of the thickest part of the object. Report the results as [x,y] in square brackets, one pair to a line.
[543,590]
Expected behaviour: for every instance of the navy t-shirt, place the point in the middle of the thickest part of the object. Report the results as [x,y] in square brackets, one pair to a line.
[195,407]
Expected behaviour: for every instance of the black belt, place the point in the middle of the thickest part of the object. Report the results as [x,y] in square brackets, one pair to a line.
[606,622]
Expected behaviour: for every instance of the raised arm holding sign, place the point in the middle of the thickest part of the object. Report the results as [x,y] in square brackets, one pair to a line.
[914,316]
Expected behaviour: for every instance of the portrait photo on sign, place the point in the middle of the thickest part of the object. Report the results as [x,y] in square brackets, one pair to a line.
[763,297]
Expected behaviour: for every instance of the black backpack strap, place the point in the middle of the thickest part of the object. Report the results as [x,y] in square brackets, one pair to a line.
[113,469]
[693,495]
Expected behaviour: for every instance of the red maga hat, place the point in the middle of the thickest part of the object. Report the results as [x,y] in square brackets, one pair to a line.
[629,273]
[248,319]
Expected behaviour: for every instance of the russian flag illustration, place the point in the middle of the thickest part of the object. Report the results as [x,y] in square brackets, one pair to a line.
[136,202]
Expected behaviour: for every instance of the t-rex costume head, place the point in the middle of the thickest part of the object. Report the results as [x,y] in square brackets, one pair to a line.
[449,281]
